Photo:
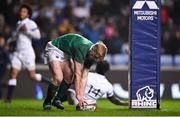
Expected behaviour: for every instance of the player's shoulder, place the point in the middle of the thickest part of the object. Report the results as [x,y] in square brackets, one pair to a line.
[32,22]
[93,74]
[97,76]
[103,79]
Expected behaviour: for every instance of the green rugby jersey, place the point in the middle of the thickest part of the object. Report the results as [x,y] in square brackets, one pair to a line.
[75,45]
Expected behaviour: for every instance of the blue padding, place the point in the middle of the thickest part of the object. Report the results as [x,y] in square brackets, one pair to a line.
[145,36]
[166,60]
[177,60]
[120,59]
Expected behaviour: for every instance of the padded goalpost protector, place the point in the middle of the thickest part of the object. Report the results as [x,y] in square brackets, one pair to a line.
[144,67]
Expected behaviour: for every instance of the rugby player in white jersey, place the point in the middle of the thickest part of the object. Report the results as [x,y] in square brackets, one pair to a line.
[24,55]
[97,86]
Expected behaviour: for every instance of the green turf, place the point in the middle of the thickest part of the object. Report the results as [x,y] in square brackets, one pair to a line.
[104,108]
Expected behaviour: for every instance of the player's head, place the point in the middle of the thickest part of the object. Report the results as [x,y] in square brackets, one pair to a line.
[25,11]
[98,51]
[2,40]
[102,67]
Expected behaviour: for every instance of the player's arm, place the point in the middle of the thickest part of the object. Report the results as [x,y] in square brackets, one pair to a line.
[11,39]
[84,79]
[34,33]
[14,36]
[112,98]
[86,68]
[79,82]
[31,30]
[117,101]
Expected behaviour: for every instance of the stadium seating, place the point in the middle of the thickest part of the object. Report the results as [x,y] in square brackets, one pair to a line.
[177,60]
[120,59]
[166,60]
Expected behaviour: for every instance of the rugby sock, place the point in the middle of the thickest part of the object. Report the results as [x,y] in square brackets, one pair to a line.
[62,92]
[43,79]
[52,89]
[11,86]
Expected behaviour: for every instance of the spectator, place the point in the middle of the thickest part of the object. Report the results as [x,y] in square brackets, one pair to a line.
[177,41]
[53,34]
[170,44]
[68,9]
[4,60]
[164,15]
[93,30]
[114,43]
[109,29]
[81,10]
[59,16]
[66,27]
[99,7]
[2,23]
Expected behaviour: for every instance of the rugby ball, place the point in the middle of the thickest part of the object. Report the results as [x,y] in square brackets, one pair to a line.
[87,107]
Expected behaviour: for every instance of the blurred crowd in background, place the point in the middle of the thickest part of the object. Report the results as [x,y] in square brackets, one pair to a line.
[106,20]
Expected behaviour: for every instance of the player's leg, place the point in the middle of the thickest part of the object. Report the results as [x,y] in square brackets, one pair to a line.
[67,68]
[15,69]
[62,92]
[38,77]
[68,79]
[55,59]
[55,68]
[12,83]
[61,95]
[29,63]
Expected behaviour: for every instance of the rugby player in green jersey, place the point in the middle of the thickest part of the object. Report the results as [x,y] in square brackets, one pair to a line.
[70,57]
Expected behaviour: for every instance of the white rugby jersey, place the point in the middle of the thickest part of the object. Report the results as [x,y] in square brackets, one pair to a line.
[24,39]
[97,86]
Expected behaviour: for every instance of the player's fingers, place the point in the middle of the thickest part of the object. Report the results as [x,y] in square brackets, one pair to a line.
[85,102]
[80,103]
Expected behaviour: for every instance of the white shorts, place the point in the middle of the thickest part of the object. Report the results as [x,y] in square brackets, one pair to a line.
[53,53]
[23,59]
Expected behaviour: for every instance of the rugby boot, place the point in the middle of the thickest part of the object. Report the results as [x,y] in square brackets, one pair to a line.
[58,104]
[47,105]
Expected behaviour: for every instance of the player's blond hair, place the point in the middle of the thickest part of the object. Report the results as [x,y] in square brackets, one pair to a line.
[100,50]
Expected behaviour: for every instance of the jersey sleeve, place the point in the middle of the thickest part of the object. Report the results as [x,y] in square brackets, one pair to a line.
[33,30]
[110,91]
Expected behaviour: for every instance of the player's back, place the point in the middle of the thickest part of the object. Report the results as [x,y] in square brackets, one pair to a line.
[97,86]
[74,45]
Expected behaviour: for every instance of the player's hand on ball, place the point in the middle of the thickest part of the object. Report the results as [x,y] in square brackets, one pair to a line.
[87,107]
[81,100]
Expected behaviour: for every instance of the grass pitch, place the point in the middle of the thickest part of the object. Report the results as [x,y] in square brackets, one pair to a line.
[27,107]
